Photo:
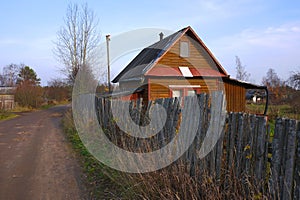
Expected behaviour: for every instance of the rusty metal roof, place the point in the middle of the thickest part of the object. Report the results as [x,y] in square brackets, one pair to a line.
[7,90]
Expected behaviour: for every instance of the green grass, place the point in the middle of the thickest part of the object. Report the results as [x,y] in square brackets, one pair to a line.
[5,115]
[101,181]
[47,106]
[274,111]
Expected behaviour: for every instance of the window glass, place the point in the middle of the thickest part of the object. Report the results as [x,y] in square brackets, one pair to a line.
[191,92]
[184,49]
[176,93]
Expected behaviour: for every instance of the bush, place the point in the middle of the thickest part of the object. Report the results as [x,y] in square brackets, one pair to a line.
[28,95]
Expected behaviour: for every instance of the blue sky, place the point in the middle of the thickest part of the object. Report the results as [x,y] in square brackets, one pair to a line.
[264,34]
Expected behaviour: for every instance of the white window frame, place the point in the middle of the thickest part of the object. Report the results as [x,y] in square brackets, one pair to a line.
[184,89]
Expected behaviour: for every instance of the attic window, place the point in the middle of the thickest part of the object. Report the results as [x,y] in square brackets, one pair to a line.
[184,49]
[185,71]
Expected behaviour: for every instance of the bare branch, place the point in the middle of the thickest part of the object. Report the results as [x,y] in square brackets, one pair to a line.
[241,73]
[77,40]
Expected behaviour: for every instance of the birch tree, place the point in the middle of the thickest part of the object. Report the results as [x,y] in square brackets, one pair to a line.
[77,40]
[241,73]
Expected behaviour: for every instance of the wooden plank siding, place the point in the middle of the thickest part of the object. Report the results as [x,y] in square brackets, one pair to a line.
[235,97]
[159,87]
[235,94]
[7,101]
[198,57]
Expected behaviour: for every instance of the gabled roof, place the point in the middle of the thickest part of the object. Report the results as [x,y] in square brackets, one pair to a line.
[150,55]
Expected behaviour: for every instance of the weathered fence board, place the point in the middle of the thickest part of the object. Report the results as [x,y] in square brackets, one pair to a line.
[297,166]
[241,149]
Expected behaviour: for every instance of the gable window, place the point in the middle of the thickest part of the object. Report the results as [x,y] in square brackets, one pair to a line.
[184,49]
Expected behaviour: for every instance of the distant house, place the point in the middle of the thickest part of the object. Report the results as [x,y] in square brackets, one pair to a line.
[7,98]
[255,96]
[180,65]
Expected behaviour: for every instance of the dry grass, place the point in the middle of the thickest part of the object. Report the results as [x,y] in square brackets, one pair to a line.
[172,182]
[175,182]
[18,108]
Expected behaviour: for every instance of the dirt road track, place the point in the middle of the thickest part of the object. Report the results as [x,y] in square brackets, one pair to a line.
[36,160]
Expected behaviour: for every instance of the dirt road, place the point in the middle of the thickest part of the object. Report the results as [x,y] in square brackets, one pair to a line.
[36,160]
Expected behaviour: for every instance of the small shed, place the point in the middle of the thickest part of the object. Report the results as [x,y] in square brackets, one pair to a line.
[7,98]
[180,65]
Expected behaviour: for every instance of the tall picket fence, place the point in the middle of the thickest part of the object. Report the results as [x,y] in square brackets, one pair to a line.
[245,148]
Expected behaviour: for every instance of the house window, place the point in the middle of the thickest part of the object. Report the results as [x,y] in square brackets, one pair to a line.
[185,71]
[177,93]
[184,49]
[184,90]
[191,92]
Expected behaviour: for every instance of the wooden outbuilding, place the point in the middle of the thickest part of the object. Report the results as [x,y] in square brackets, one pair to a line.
[180,65]
[7,98]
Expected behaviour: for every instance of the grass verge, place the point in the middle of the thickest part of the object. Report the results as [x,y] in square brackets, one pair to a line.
[274,111]
[99,178]
[4,115]
[172,182]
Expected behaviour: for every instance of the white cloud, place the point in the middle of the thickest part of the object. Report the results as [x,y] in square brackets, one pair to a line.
[271,47]
[214,12]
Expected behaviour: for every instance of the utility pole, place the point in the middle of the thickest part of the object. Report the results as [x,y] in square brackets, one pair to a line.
[108,63]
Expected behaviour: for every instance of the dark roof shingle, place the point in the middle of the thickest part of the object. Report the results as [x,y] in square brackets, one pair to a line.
[147,57]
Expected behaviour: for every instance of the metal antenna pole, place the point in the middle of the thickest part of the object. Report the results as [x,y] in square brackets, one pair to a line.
[108,63]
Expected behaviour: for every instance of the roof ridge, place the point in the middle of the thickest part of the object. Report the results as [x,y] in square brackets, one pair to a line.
[150,56]
[155,50]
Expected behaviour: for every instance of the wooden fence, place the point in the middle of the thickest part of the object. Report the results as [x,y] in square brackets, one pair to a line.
[247,148]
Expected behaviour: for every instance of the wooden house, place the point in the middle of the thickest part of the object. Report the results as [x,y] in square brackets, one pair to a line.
[180,65]
[7,98]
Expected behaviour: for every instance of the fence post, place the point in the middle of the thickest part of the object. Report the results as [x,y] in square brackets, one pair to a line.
[277,146]
[297,165]
[201,132]
[260,149]
[287,189]
[283,158]
[231,140]
[239,144]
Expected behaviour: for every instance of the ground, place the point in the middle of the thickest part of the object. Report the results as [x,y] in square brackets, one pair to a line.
[37,162]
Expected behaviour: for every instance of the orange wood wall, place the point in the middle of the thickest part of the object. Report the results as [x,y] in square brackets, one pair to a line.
[235,97]
[159,88]
[198,57]
[235,94]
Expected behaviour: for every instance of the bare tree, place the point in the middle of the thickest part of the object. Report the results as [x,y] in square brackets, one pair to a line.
[275,85]
[77,40]
[241,73]
[9,75]
[295,80]
[272,80]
